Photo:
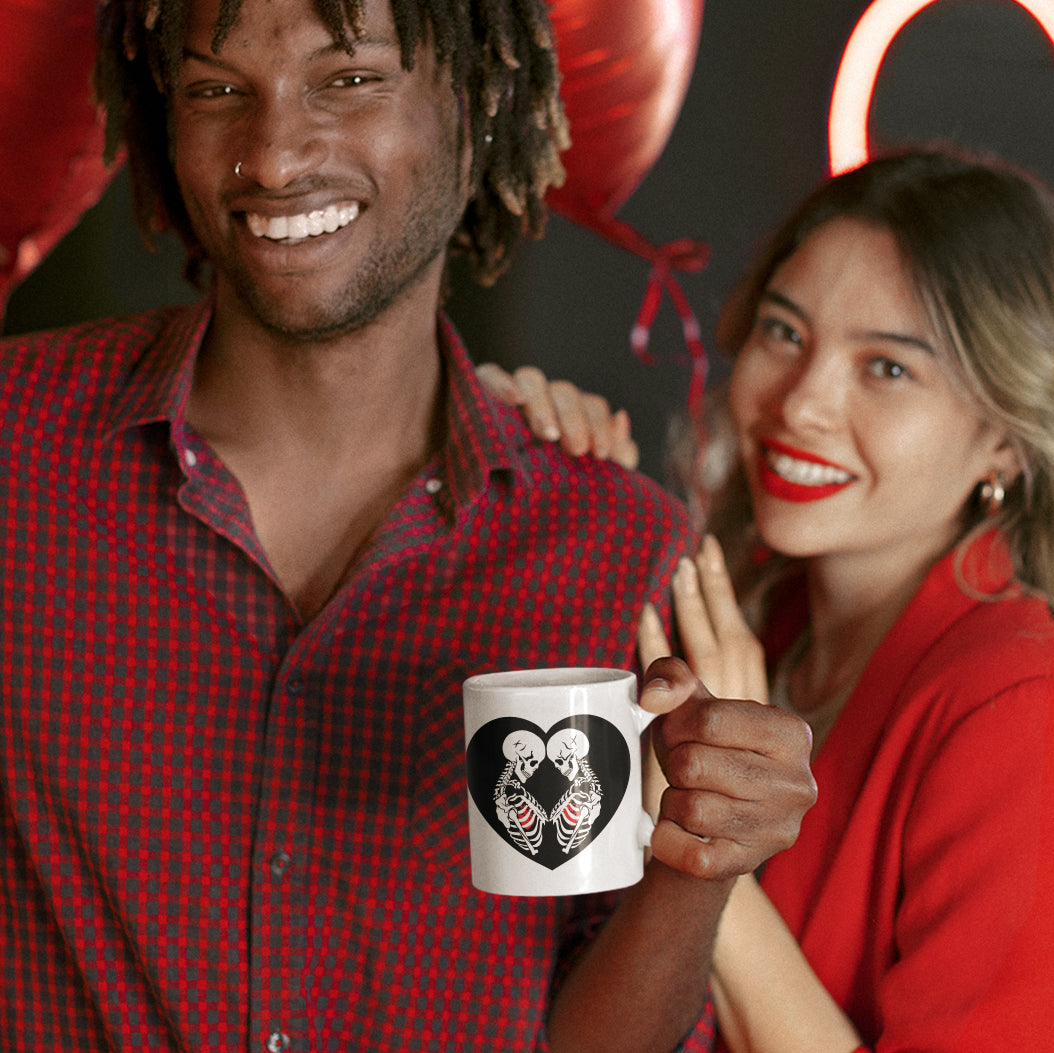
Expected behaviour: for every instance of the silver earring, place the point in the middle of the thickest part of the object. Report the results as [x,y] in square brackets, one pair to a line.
[238,170]
[993,494]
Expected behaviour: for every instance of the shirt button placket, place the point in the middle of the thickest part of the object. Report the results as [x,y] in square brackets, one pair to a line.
[278,951]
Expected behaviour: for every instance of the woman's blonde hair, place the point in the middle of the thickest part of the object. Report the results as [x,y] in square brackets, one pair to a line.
[978,239]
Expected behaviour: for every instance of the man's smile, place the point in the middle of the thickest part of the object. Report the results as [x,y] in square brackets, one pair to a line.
[303,224]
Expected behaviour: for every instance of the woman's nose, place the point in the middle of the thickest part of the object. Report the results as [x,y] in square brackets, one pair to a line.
[814,394]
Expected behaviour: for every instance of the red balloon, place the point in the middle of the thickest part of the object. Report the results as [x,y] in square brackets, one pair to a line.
[50,131]
[625,70]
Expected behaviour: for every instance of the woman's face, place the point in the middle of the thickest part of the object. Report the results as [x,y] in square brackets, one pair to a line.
[856,441]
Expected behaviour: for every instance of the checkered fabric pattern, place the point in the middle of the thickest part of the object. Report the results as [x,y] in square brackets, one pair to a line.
[222,829]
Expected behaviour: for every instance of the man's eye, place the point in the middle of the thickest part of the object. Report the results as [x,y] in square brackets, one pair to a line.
[351,80]
[210,91]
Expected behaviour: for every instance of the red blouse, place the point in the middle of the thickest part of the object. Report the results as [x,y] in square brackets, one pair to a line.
[922,886]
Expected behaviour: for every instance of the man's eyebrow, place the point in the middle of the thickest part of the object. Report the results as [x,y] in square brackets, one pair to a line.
[332,48]
[208,58]
[904,339]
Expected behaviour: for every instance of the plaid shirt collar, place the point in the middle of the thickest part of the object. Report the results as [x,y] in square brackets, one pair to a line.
[482,436]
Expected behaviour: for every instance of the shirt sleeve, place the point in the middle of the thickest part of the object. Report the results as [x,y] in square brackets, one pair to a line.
[974,933]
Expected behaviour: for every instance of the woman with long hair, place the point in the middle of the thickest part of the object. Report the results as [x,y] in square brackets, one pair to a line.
[879,558]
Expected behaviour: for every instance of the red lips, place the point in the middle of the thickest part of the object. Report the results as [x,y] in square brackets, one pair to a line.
[786,490]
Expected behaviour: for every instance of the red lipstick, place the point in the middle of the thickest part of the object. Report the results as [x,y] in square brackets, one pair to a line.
[785,489]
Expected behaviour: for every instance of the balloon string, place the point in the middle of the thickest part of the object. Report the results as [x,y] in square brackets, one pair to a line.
[682,255]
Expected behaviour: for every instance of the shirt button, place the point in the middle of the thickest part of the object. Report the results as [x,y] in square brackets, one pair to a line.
[280,863]
[191,458]
[277,1042]
[433,486]
[294,685]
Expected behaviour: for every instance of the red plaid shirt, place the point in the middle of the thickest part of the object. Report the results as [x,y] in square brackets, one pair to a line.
[223,829]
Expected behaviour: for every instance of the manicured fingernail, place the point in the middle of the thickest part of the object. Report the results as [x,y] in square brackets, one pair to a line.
[684,577]
[712,552]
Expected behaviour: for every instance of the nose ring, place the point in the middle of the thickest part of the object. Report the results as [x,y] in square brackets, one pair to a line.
[238,170]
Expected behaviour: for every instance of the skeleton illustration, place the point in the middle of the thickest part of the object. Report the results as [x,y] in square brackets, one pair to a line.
[518,810]
[579,807]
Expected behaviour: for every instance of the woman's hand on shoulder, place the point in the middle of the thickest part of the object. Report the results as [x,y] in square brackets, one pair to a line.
[557,411]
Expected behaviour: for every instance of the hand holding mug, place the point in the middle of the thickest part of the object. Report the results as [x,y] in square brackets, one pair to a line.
[738,774]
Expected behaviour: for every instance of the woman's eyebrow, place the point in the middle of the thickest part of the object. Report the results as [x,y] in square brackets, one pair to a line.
[904,339]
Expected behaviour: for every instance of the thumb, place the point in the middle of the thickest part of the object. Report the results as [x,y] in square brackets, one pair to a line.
[667,683]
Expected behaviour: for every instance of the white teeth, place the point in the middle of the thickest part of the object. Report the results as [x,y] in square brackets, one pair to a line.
[805,473]
[304,225]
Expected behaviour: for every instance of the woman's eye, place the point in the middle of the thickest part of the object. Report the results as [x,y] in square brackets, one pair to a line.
[887,369]
[778,330]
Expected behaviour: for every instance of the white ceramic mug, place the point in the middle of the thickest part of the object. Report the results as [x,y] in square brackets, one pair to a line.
[553,762]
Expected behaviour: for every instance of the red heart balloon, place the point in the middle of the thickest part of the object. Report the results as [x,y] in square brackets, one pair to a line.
[50,132]
[625,70]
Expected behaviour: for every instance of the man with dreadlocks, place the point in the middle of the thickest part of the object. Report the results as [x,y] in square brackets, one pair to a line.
[254,546]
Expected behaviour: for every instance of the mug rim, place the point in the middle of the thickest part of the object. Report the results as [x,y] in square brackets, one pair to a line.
[555,676]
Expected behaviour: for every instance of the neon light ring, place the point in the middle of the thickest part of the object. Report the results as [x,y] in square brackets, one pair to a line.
[862,58]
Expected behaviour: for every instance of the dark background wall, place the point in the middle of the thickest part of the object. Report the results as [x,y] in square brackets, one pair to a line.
[750,141]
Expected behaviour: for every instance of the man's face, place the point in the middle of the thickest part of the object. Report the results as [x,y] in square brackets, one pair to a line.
[350,177]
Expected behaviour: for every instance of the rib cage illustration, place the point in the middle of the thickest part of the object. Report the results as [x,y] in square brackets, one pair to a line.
[576,810]
[519,811]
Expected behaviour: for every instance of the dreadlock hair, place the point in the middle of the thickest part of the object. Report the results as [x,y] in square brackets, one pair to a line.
[502,65]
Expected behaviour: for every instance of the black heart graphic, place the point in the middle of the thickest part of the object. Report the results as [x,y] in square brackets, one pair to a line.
[548,815]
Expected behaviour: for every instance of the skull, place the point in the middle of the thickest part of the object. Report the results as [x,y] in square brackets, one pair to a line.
[525,750]
[566,749]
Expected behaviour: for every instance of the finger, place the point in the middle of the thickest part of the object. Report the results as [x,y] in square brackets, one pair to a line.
[744,804]
[743,657]
[668,683]
[538,407]
[624,450]
[708,858]
[754,801]
[652,642]
[601,423]
[683,851]
[712,575]
[576,435]
[500,383]
[653,782]
[693,620]
[734,724]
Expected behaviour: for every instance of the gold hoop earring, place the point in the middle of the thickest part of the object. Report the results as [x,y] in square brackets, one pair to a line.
[993,494]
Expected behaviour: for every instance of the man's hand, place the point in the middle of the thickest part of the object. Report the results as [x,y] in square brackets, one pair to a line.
[738,773]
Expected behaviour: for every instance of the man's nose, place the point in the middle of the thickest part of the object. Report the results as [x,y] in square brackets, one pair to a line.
[282,141]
